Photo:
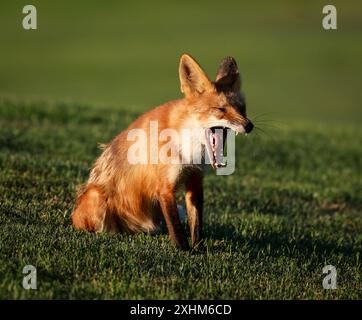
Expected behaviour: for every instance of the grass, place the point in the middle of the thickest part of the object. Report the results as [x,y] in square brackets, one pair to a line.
[291,207]
[293,204]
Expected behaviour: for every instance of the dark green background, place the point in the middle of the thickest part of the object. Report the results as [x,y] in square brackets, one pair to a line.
[125,53]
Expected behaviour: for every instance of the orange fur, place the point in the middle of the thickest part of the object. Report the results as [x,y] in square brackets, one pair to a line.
[121,197]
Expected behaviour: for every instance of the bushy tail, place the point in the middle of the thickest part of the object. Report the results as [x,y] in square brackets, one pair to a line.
[90,209]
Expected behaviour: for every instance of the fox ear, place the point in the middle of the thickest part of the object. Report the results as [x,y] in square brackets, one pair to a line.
[228,76]
[193,79]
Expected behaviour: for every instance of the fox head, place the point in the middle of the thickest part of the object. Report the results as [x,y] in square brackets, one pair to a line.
[217,104]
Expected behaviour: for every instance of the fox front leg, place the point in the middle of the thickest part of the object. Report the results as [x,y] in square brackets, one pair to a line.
[170,212]
[194,205]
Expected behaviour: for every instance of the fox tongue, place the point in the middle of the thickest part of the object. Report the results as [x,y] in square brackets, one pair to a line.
[214,148]
[209,147]
[217,141]
[218,154]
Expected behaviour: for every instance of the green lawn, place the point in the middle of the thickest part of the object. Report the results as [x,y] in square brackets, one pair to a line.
[293,204]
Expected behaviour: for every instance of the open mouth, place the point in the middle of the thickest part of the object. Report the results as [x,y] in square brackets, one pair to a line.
[215,141]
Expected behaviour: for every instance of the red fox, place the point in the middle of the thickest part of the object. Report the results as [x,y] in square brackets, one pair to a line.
[121,196]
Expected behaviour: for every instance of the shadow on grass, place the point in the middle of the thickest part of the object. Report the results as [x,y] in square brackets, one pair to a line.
[281,243]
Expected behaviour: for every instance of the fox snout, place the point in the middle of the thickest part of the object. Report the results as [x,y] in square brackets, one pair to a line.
[242,126]
[248,127]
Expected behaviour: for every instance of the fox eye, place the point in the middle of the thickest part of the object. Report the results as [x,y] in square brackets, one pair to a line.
[222,109]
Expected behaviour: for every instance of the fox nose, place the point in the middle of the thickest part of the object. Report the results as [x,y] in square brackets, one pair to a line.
[249,126]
